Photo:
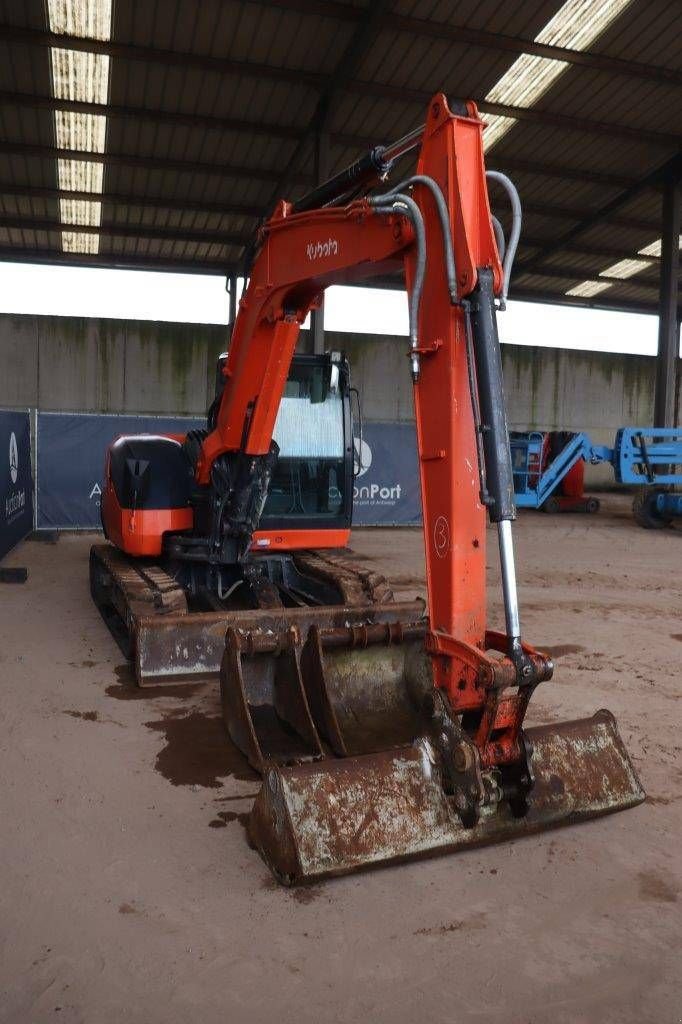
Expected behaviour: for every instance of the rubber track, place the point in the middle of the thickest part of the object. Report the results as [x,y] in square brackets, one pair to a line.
[135,588]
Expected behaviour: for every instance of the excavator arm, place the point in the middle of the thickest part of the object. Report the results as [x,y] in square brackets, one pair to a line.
[438,225]
[424,721]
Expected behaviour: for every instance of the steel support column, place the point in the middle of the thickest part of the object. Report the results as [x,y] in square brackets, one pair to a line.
[321,143]
[231,285]
[668,324]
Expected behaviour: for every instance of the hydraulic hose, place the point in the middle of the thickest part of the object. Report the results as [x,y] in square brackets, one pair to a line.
[443,216]
[399,203]
[499,237]
[517,218]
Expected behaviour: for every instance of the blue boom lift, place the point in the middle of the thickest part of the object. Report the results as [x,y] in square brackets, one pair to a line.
[648,457]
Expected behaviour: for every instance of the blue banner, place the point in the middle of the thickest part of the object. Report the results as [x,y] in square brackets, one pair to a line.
[387,489]
[70,464]
[16,482]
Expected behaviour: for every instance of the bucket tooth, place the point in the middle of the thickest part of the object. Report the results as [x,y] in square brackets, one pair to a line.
[336,816]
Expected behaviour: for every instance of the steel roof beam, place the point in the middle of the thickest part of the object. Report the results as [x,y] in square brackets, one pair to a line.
[580,274]
[606,252]
[347,12]
[294,133]
[396,281]
[181,204]
[227,209]
[560,299]
[212,236]
[151,163]
[118,261]
[355,49]
[220,124]
[671,167]
[590,177]
[112,229]
[224,65]
[154,55]
[577,213]
[263,174]
[581,124]
[487,40]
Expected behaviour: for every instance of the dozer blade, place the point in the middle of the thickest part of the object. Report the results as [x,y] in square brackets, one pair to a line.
[335,816]
[189,648]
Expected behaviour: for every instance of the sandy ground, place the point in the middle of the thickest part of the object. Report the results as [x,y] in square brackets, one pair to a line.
[129,893]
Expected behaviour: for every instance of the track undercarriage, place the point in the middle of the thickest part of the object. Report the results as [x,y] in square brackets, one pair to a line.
[175,634]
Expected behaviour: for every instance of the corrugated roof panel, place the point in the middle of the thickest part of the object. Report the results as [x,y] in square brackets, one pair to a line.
[512,19]
[649,35]
[596,168]
[599,96]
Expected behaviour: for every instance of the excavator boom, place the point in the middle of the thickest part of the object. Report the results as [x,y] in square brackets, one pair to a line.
[400,738]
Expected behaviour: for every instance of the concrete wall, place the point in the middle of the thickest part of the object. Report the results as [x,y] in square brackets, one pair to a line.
[67,363]
[86,365]
[548,389]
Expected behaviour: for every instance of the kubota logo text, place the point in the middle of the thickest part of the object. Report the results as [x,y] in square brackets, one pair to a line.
[317,250]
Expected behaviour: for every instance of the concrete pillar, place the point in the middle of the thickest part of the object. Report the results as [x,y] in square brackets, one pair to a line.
[668,323]
[321,144]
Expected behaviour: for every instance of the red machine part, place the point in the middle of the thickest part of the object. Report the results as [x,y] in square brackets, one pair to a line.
[140,532]
[573,484]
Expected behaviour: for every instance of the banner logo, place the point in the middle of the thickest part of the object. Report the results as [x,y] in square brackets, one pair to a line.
[362,457]
[13,458]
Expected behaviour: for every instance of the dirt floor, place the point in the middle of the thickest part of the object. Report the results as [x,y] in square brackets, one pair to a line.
[129,893]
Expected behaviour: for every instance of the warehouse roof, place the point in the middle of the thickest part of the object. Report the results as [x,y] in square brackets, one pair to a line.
[156,135]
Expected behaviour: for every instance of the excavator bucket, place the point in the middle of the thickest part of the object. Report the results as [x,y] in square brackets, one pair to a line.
[351,775]
[332,817]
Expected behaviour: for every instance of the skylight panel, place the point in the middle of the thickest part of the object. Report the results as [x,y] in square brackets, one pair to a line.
[586,289]
[625,268]
[654,249]
[577,23]
[80,76]
[575,26]
[80,131]
[80,211]
[86,18]
[78,241]
[80,175]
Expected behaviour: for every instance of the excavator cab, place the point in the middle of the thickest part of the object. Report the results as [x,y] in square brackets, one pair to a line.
[151,506]
[311,487]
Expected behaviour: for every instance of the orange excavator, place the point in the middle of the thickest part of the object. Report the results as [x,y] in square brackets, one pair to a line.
[381,734]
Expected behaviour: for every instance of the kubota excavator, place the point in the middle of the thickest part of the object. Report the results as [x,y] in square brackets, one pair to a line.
[381,734]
